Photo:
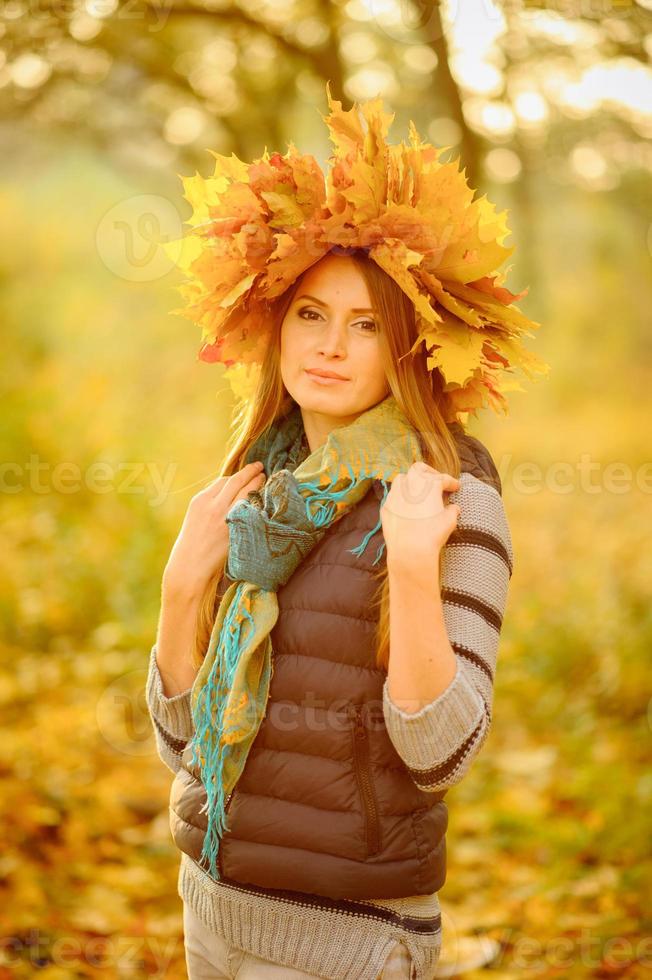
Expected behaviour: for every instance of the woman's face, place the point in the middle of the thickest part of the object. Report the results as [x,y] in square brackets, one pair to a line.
[330,327]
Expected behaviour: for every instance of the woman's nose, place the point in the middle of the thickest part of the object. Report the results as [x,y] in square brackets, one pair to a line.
[334,338]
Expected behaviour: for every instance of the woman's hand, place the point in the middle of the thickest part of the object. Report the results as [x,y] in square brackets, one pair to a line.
[202,547]
[415,520]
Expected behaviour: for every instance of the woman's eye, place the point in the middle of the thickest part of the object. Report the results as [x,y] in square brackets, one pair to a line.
[369,326]
[305,310]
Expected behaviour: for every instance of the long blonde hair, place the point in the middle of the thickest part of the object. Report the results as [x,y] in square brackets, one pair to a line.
[418,392]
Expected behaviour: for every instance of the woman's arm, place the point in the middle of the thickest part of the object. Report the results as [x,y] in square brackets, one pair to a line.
[422,662]
[176,639]
[171,717]
[199,555]
[170,676]
[444,644]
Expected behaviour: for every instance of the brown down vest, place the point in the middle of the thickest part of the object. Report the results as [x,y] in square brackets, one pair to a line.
[325,804]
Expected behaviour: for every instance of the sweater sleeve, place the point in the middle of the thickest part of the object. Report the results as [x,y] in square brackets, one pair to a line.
[439,742]
[171,717]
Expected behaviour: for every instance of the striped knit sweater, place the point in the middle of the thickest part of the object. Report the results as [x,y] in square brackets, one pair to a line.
[350,940]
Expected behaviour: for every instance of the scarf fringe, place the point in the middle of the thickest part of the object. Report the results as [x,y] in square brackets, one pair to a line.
[318,495]
[359,550]
[209,724]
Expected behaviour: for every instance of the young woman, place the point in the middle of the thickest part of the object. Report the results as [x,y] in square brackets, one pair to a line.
[383,663]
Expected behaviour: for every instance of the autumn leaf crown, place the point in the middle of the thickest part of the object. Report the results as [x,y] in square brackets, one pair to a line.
[256,227]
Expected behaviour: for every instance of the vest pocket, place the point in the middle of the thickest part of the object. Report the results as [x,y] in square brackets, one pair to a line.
[360,738]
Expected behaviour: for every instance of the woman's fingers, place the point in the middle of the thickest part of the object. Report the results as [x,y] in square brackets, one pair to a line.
[421,464]
[214,485]
[421,470]
[450,483]
[255,483]
[236,481]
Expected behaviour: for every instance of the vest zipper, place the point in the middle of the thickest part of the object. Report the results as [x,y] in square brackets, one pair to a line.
[363,772]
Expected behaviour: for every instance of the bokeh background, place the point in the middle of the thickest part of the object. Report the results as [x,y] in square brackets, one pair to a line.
[110,424]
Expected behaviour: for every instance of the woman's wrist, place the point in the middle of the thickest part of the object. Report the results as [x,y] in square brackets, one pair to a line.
[182,591]
[406,574]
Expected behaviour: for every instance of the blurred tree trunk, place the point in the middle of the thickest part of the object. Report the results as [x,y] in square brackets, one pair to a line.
[330,61]
[522,187]
[470,145]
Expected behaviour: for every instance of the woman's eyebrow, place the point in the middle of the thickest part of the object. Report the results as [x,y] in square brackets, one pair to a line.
[321,303]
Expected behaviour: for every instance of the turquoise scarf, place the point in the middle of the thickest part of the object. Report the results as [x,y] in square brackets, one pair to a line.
[270,533]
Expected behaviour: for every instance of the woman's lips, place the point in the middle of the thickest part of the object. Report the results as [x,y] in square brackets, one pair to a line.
[325,381]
